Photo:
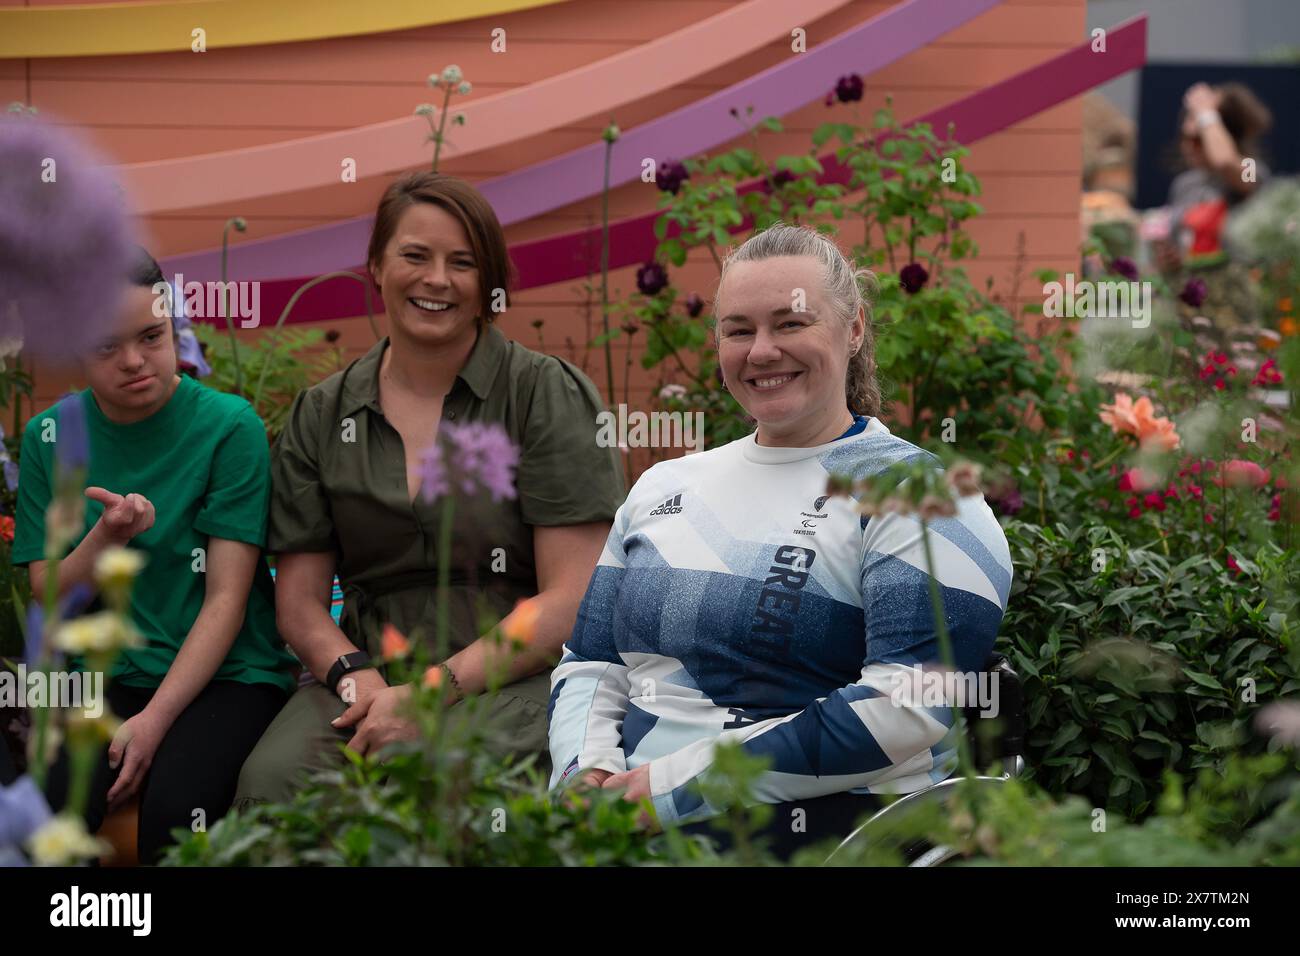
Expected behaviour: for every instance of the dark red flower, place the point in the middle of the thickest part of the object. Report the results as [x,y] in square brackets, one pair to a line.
[913,277]
[848,89]
[1194,292]
[670,177]
[782,177]
[1154,502]
[1126,267]
[651,278]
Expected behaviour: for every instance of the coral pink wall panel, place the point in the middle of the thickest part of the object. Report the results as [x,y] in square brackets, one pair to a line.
[159,106]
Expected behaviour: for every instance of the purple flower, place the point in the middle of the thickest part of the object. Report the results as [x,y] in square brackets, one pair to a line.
[651,278]
[912,277]
[1126,267]
[1194,292]
[188,349]
[23,811]
[1007,502]
[34,639]
[848,89]
[71,446]
[65,240]
[670,177]
[471,457]
[694,305]
[11,474]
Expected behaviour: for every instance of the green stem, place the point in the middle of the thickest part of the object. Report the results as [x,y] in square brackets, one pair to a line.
[225,308]
[442,125]
[293,300]
[442,616]
[604,273]
[945,652]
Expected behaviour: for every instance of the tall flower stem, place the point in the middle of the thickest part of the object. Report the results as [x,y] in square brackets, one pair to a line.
[945,651]
[604,271]
[441,620]
[442,126]
[293,300]
[50,603]
[225,304]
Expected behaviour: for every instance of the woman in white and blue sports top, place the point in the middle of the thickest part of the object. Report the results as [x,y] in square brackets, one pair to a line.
[756,609]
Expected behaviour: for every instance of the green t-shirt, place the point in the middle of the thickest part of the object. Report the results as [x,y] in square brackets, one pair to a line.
[203,462]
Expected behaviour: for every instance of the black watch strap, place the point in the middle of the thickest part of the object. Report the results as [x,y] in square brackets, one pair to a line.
[343,666]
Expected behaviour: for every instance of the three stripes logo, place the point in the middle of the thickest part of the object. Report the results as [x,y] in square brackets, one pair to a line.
[673,506]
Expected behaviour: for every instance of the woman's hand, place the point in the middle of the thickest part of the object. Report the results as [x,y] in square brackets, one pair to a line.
[383,723]
[595,778]
[138,738]
[636,787]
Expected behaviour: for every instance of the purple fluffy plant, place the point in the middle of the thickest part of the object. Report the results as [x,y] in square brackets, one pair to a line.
[469,458]
[65,240]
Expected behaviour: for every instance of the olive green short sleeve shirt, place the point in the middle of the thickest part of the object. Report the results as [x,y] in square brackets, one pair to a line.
[339,484]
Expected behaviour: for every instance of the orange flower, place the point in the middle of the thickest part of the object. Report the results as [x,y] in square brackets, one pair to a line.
[1127,417]
[520,626]
[1268,340]
[394,644]
[1287,326]
[1284,304]
[433,677]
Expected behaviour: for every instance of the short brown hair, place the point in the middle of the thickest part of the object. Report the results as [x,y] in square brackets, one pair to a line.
[487,239]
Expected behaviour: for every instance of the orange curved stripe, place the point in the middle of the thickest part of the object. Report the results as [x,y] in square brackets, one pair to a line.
[116,29]
[242,174]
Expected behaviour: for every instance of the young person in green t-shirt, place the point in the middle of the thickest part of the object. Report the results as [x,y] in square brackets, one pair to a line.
[181,473]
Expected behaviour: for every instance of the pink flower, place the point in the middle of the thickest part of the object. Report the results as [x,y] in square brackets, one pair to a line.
[1127,417]
[1233,566]
[1135,479]
[1154,501]
[1241,474]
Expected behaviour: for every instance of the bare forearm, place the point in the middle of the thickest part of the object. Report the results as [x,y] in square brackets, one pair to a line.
[311,632]
[79,566]
[203,652]
[1222,155]
[556,611]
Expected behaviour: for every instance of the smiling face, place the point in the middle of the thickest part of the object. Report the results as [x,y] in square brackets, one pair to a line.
[132,373]
[787,368]
[429,279]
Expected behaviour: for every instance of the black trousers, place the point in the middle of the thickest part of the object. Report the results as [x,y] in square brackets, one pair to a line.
[195,768]
[823,818]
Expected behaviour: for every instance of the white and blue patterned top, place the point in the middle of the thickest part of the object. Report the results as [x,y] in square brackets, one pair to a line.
[735,600]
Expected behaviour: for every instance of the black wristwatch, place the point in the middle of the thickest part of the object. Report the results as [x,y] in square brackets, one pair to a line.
[345,665]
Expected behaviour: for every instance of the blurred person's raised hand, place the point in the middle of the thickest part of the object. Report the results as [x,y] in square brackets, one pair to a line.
[1200,97]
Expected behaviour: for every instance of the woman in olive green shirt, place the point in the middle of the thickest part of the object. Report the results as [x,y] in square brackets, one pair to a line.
[346,497]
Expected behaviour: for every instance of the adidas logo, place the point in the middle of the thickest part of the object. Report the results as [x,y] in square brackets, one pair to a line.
[673,506]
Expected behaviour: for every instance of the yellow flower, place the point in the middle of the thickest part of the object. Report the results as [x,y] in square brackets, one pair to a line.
[101,633]
[63,840]
[117,567]
[91,730]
